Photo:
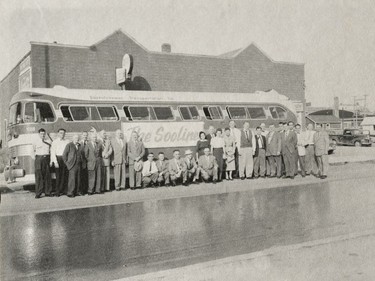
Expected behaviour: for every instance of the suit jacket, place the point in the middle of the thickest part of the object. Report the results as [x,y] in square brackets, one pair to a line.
[172,167]
[135,149]
[163,166]
[119,155]
[321,143]
[84,160]
[191,166]
[107,153]
[246,142]
[256,152]
[93,155]
[72,156]
[273,144]
[205,164]
[289,143]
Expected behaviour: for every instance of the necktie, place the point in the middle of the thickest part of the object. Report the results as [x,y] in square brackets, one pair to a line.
[247,135]
[150,166]
[178,166]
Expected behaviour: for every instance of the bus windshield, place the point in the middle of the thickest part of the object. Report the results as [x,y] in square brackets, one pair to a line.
[36,112]
[15,113]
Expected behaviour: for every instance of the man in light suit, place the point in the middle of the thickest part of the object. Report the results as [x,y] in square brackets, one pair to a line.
[211,134]
[236,133]
[273,152]
[93,155]
[136,151]
[162,165]
[207,166]
[321,143]
[119,160]
[72,156]
[289,150]
[245,152]
[175,167]
[189,168]
[260,154]
[301,143]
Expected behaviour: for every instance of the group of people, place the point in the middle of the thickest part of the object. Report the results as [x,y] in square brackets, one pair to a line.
[82,166]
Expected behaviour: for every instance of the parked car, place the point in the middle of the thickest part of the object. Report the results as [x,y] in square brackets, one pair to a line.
[356,137]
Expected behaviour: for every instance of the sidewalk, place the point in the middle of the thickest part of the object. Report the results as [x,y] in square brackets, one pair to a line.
[332,259]
[23,202]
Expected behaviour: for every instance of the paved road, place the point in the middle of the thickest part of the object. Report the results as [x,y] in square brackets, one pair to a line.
[122,240]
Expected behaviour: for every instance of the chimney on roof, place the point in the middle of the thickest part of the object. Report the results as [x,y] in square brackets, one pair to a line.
[166,48]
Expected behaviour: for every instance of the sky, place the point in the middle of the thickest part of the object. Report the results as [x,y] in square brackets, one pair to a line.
[335,39]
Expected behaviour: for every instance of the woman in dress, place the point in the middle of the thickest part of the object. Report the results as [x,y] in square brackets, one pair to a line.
[217,150]
[202,143]
[229,149]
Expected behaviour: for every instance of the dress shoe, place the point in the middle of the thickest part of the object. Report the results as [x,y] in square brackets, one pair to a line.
[37,197]
[90,193]
[167,185]
[185,184]
[49,195]
[242,178]
[132,188]
[71,195]
[292,177]
[214,182]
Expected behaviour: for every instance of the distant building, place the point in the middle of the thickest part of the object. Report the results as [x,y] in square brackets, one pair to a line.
[368,123]
[327,121]
[93,67]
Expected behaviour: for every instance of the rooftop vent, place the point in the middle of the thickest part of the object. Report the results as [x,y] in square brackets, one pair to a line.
[166,48]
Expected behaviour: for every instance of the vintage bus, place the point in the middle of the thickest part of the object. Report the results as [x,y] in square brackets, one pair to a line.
[164,120]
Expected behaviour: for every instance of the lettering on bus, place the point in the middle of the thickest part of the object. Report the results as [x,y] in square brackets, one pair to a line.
[171,134]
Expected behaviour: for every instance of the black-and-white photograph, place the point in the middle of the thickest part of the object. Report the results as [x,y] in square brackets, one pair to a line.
[187,140]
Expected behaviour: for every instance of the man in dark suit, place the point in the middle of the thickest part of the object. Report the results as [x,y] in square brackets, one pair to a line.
[260,154]
[84,173]
[245,151]
[289,150]
[273,152]
[72,157]
[119,160]
[93,155]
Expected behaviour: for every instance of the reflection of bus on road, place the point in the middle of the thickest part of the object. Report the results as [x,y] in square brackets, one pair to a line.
[164,120]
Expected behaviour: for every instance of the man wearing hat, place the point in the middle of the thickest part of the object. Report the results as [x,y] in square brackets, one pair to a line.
[150,172]
[207,166]
[189,168]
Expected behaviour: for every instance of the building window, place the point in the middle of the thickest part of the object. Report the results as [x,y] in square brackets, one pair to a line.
[237,112]
[15,113]
[213,112]
[256,112]
[36,112]
[189,113]
[278,112]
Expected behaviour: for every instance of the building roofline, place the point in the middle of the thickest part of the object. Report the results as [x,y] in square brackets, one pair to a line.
[17,64]
[59,45]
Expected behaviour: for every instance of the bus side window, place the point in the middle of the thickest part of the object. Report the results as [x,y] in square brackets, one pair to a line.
[278,112]
[207,113]
[215,112]
[66,113]
[163,113]
[127,113]
[108,113]
[256,113]
[189,113]
[140,113]
[237,112]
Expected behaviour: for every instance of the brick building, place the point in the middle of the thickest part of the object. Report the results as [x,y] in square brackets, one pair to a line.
[93,67]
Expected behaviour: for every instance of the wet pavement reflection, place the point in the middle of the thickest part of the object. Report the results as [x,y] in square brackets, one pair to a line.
[123,240]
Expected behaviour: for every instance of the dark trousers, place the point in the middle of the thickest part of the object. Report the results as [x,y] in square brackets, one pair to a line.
[301,161]
[153,178]
[42,175]
[95,179]
[289,163]
[61,176]
[84,182]
[74,180]
[274,162]
[260,163]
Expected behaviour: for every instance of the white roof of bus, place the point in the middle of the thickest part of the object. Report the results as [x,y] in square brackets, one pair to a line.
[158,96]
